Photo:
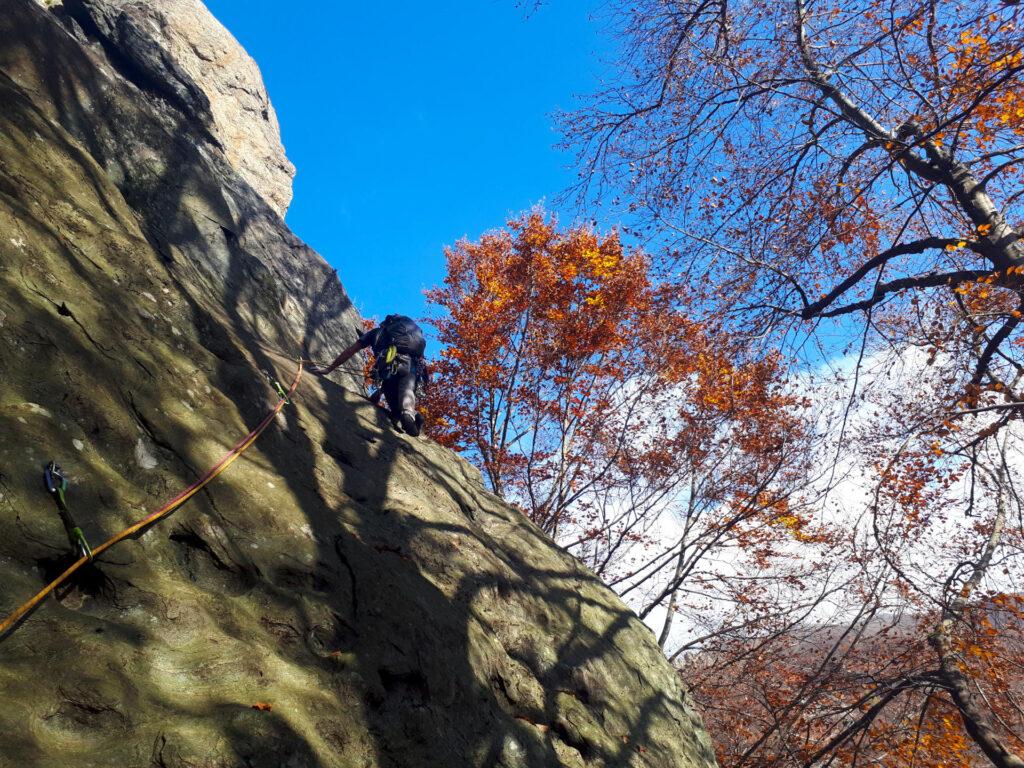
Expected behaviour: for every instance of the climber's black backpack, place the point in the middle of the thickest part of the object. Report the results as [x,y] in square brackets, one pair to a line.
[403,334]
[398,349]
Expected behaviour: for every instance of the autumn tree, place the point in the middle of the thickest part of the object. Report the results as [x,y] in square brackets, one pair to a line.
[586,395]
[865,687]
[846,177]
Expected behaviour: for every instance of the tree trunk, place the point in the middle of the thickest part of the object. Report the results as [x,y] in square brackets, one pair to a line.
[975,720]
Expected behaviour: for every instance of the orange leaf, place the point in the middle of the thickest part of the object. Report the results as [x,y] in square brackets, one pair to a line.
[262,706]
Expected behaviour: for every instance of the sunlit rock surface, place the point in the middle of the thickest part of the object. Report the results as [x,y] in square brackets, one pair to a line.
[177,51]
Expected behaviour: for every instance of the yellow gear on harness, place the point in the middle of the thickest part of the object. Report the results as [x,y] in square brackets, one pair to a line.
[386,365]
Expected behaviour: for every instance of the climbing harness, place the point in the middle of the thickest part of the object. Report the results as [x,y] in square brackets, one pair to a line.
[140,527]
[387,365]
[57,487]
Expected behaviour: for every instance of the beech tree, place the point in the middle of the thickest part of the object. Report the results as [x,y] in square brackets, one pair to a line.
[852,171]
[587,396]
[854,159]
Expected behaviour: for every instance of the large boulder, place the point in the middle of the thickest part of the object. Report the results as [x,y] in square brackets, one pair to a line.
[343,596]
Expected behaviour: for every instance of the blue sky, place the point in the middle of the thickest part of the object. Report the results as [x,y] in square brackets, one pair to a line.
[414,124]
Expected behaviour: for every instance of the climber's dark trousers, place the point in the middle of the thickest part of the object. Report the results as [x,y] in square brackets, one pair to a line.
[400,392]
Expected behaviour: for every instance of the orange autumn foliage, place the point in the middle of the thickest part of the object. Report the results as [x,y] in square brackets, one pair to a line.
[882,677]
[586,395]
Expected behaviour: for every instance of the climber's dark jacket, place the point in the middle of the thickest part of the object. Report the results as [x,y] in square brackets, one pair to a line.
[399,372]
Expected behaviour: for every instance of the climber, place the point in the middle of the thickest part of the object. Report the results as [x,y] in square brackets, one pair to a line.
[398,370]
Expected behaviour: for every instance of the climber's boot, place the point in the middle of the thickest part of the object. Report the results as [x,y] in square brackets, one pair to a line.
[411,423]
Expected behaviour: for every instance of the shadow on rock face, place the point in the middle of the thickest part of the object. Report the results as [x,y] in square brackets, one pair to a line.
[89,580]
[251,737]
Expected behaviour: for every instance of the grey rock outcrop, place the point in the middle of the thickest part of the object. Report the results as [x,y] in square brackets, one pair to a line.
[343,596]
[178,51]
[200,214]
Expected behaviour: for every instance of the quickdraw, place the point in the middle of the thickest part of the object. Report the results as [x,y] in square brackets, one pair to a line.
[140,527]
[57,487]
[277,385]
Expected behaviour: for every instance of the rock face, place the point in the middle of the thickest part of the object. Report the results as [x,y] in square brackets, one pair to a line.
[178,51]
[361,588]
[219,235]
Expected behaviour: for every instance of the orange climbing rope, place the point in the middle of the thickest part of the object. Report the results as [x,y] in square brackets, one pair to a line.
[229,458]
